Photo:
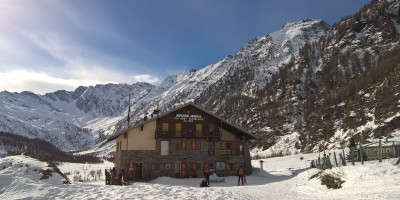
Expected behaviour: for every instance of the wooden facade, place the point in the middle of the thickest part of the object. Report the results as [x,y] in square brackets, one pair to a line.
[182,143]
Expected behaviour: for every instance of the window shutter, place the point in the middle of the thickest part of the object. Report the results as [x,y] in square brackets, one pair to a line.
[161,167]
[183,169]
[193,166]
[183,144]
[193,145]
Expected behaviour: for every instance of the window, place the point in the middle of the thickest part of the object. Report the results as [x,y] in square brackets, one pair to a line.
[198,166]
[220,165]
[232,166]
[155,167]
[211,128]
[211,145]
[227,145]
[177,167]
[164,148]
[119,146]
[211,165]
[178,129]
[199,130]
[211,148]
[165,127]
[196,145]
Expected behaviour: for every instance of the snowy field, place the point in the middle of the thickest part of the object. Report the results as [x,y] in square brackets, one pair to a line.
[280,178]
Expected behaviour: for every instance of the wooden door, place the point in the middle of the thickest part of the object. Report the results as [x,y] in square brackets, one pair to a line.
[139,171]
[183,169]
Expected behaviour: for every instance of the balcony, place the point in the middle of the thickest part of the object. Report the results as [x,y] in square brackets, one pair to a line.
[228,152]
[159,134]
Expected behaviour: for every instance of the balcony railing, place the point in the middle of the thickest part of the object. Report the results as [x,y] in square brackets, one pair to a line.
[186,134]
[229,152]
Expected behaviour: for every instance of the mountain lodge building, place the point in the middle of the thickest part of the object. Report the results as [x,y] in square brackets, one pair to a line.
[182,143]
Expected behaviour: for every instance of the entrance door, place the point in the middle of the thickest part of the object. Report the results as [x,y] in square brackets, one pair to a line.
[177,169]
[183,169]
[138,171]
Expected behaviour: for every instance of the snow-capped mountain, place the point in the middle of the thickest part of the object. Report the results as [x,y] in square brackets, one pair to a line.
[303,85]
[259,59]
[68,119]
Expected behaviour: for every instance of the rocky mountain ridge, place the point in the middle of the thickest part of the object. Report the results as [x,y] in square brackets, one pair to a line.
[68,119]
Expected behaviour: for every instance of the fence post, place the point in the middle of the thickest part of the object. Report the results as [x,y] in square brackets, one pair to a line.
[380,151]
[343,158]
[319,163]
[329,161]
[334,154]
[315,163]
[362,154]
[352,154]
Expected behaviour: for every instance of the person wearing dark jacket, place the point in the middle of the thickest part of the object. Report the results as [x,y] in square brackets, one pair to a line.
[207,176]
[240,174]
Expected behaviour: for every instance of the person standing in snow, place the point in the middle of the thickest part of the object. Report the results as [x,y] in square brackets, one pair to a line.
[121,175]
[113,174]
[240,174]
[207,176]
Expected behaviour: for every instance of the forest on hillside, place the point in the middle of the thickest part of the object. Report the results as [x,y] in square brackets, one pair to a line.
[15,144]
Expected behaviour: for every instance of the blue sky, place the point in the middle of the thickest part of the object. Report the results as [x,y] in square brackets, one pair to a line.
[48,45]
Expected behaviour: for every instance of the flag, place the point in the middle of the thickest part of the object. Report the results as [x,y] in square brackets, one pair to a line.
[129,111]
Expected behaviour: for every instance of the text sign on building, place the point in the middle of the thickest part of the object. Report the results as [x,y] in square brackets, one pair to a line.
[188,118]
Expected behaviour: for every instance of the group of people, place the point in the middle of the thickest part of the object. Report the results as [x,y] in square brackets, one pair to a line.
[120,176]
[240,173]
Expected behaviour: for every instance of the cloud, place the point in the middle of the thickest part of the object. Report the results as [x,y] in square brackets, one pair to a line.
[147,79]
[24,80]
[41,83]
[53,45]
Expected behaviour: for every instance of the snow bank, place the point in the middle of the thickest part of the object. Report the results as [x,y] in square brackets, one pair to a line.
[20,175]
[281,178]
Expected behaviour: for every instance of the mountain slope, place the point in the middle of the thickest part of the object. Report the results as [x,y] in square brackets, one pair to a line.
[320,94]
[65,118]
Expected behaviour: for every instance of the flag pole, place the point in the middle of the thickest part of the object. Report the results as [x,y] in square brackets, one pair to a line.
[126,149]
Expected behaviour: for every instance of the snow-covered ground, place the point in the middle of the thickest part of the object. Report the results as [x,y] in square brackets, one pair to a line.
[280,178]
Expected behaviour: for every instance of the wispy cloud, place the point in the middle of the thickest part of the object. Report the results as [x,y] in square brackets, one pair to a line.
[41,83]
[51,45]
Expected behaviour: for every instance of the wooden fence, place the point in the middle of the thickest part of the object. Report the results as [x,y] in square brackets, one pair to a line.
[329,160]
[339,157]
